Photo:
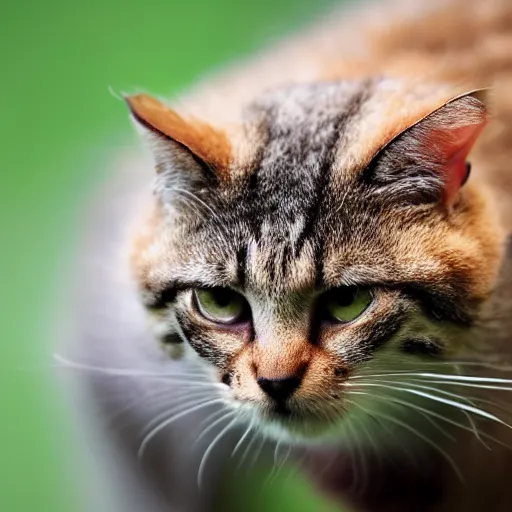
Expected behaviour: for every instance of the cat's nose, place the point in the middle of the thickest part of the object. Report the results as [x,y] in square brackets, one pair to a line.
[279,389]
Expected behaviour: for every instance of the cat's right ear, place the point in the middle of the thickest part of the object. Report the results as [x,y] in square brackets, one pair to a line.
[427,162]
[186,152]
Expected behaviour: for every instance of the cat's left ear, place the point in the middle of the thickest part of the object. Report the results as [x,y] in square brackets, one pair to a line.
[427,162]
[189,146]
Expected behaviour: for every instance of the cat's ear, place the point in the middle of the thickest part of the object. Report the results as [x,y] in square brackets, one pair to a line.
[185,151]
[427,162]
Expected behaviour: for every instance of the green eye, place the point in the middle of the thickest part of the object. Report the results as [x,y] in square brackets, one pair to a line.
[346,304]
[220,305]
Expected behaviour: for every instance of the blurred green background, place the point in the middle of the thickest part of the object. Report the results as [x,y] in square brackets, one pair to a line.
[57,117]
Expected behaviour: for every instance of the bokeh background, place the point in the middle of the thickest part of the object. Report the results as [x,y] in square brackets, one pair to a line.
[58,120]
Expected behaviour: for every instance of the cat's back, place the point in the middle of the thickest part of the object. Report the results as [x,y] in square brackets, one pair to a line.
[466,42]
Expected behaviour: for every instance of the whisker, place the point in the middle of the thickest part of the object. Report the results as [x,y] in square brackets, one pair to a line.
[276,449]
[328,465]
[470,385]
[200,201]
[160,393]
[248,448]
[441,376]
[122,372]
[408,453]
[430,412]
[449,383]
[421,436]
[446,393]
[213,424]
[243,437]
[446,401]
[284,460]
[257,452]
[174,418]
[176,407]
[354,485]
[223,232]
[425,414]
[372,443]
[279,462]
[495,405]
[436,364]
[475,430]
[209,450]
[273,472]
[364,467]
[476,364]
[428,388]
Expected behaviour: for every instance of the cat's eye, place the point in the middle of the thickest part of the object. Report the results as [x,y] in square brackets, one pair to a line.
[221,305]
[347,303]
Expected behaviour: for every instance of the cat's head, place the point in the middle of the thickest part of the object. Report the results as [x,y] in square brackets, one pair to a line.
[330,232]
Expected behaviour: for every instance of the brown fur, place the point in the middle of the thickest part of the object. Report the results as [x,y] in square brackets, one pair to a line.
[460,45]
[435,56]
[210,145]
[467,44]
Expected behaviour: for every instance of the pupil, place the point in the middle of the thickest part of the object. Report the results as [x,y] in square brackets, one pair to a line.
[223,298]
[345,298]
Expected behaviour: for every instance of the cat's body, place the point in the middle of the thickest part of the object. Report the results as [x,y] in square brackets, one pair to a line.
[328,102]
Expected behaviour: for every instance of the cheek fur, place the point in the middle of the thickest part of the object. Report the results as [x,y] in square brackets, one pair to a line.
[358,341]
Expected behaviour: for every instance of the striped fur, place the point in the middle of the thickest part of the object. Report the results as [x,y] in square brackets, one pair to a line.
[307,215]
[316,168]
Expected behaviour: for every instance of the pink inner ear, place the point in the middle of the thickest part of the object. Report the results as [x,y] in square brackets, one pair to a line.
[453,146]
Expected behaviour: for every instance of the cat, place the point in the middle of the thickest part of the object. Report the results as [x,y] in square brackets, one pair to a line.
[319,257]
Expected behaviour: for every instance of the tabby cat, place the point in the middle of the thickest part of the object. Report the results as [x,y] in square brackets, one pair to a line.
[321,264]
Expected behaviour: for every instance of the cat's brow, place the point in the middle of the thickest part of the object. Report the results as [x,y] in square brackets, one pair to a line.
[356,275]
[163,296]
[433,296]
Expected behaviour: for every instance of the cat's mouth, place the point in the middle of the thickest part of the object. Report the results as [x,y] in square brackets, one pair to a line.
[283,413]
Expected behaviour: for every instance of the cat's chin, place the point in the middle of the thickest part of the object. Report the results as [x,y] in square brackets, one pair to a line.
[282,423]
